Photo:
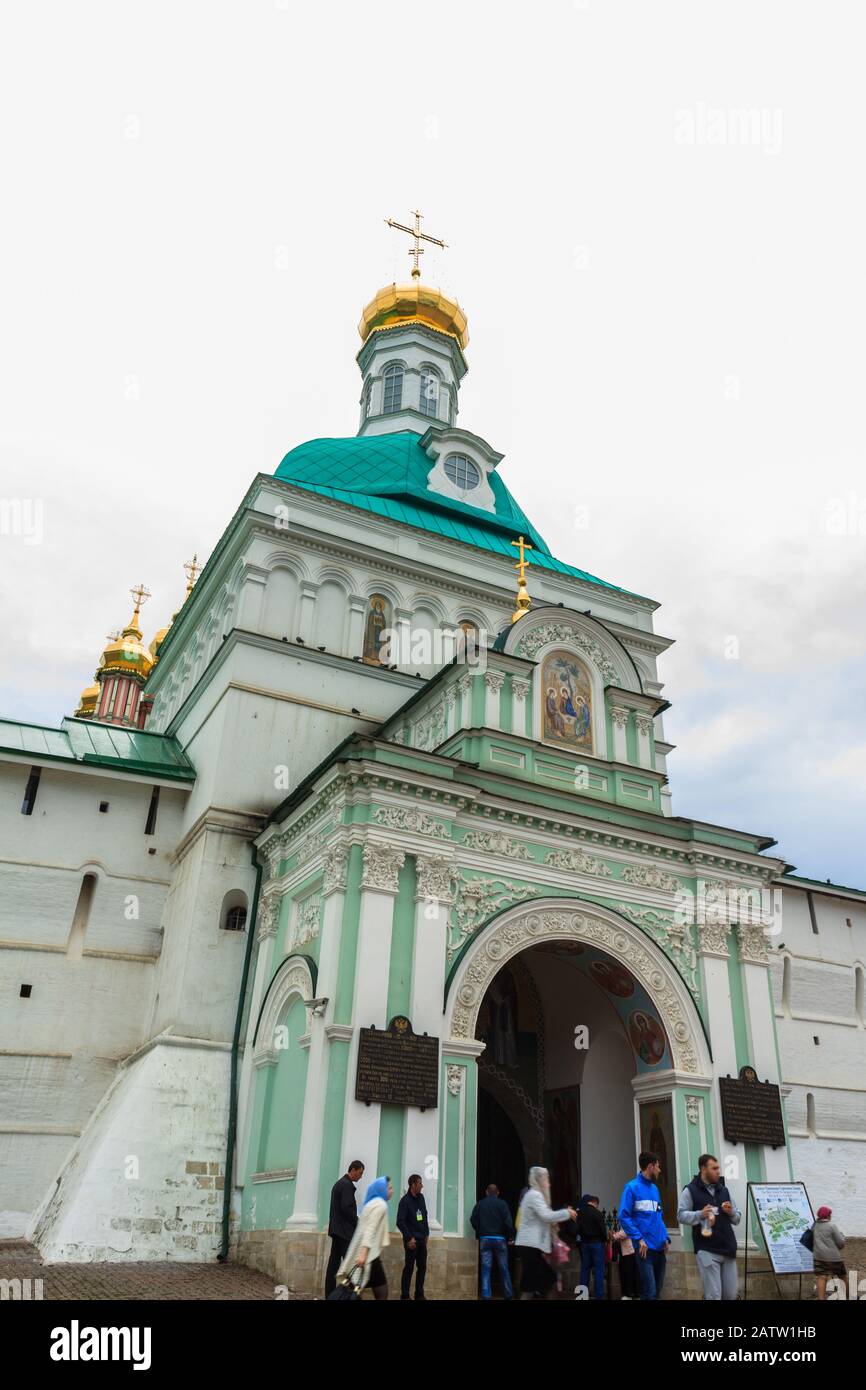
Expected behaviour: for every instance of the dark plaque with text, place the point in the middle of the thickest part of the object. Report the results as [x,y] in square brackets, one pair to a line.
[397,1067]
[751,1110]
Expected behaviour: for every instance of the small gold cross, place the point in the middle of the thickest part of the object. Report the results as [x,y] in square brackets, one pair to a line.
[193,570]
[416,250]
[523,599]
[141,595]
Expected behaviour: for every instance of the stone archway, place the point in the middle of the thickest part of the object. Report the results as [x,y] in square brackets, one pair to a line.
[572,919]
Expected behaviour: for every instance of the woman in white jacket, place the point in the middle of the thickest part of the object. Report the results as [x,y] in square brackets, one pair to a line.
[537,1220]
[370,1238]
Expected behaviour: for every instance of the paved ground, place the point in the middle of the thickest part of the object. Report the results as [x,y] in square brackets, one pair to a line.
[148,1280]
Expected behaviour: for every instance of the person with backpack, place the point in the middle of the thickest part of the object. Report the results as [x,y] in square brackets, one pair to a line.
[708,1207]
[640,1215]
[828,1243]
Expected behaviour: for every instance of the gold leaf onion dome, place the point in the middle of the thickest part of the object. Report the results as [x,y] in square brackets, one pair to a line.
[87,702]
[157,643]
[126,655]
[415,303]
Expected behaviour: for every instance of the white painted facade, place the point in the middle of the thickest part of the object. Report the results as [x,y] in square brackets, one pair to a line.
[114,1072]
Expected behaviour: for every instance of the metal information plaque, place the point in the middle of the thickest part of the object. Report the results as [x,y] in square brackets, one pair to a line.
[397,1067]
[751,1110]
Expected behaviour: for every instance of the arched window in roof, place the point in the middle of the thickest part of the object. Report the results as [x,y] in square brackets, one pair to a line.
[392,397]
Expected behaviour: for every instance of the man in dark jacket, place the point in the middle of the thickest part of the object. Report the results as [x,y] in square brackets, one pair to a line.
[415,1230]
[491,1221]
[708,1207]
[593,1239]
[343,1220]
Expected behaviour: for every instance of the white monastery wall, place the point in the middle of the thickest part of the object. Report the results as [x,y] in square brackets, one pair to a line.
[818,994]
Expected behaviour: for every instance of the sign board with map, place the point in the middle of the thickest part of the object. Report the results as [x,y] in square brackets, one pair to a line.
[785,1212]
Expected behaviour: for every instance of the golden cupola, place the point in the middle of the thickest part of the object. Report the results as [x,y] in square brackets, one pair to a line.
[416,303]
[127,654]
[87,701]
[411,359]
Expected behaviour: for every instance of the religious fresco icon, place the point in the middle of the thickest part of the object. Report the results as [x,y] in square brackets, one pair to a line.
[566,701]
[613,977]
[647,1037]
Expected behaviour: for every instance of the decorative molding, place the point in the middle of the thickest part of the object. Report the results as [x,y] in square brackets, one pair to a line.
[479,899]
[431,729]
[339,1032]
[382,864]
[674,938]
[713,939]
[494,681]
[269,911]
[523,927]
[496,842]
[619,714]
[336,867]
[565,633]
[411,819]
[454,1075]
[275,1175]
[577,861]
[650,876]
[645,724]
[519,688]
[292,978]
[436,878]
[307,921]
[693,1109]
[752,943]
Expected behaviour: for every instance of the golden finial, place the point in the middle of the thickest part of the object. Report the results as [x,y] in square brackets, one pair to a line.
[523,599]
[193,570]
[416,250]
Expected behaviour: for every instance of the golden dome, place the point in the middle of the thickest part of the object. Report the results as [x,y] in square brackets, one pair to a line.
[126,655]
[88,701]
[414,303]
[157,642]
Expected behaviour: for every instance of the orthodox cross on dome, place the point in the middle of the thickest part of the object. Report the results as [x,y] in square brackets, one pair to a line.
[416,250]
[523,599]
[140,595]
[193,570]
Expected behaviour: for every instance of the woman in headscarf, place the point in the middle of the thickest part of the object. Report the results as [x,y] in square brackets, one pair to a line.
[537,1220]
[370,1238]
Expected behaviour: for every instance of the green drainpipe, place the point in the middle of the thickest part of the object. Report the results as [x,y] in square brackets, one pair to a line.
[233,1083]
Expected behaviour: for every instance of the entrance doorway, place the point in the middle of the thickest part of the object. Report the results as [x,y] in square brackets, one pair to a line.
[566,1029]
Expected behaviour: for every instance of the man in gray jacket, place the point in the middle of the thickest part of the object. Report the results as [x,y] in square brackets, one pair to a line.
[708,1207]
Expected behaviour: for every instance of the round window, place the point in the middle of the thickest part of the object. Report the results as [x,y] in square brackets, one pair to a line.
[462,472]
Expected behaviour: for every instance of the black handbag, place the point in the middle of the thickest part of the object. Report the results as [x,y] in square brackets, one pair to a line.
[346,1291]
[808,1238]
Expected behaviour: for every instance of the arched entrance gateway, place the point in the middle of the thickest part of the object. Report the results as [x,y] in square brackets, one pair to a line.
[571,1040]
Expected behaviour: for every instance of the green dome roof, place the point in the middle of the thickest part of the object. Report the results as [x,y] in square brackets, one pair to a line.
[387,474]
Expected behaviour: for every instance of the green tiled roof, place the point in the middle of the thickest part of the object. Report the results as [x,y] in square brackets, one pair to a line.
[103,745]
[387,474]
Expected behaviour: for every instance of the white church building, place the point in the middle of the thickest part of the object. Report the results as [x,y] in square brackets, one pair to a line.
[365,781]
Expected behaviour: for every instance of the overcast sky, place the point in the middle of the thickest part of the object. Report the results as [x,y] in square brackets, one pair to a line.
[656,226]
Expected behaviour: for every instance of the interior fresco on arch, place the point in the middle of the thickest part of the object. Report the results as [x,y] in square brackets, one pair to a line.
[566,701]
[526,1114]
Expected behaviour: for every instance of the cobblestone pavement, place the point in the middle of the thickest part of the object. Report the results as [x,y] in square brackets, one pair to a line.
[146,1280]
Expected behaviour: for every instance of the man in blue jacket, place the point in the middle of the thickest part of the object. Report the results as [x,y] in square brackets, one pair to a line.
[640,1215]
